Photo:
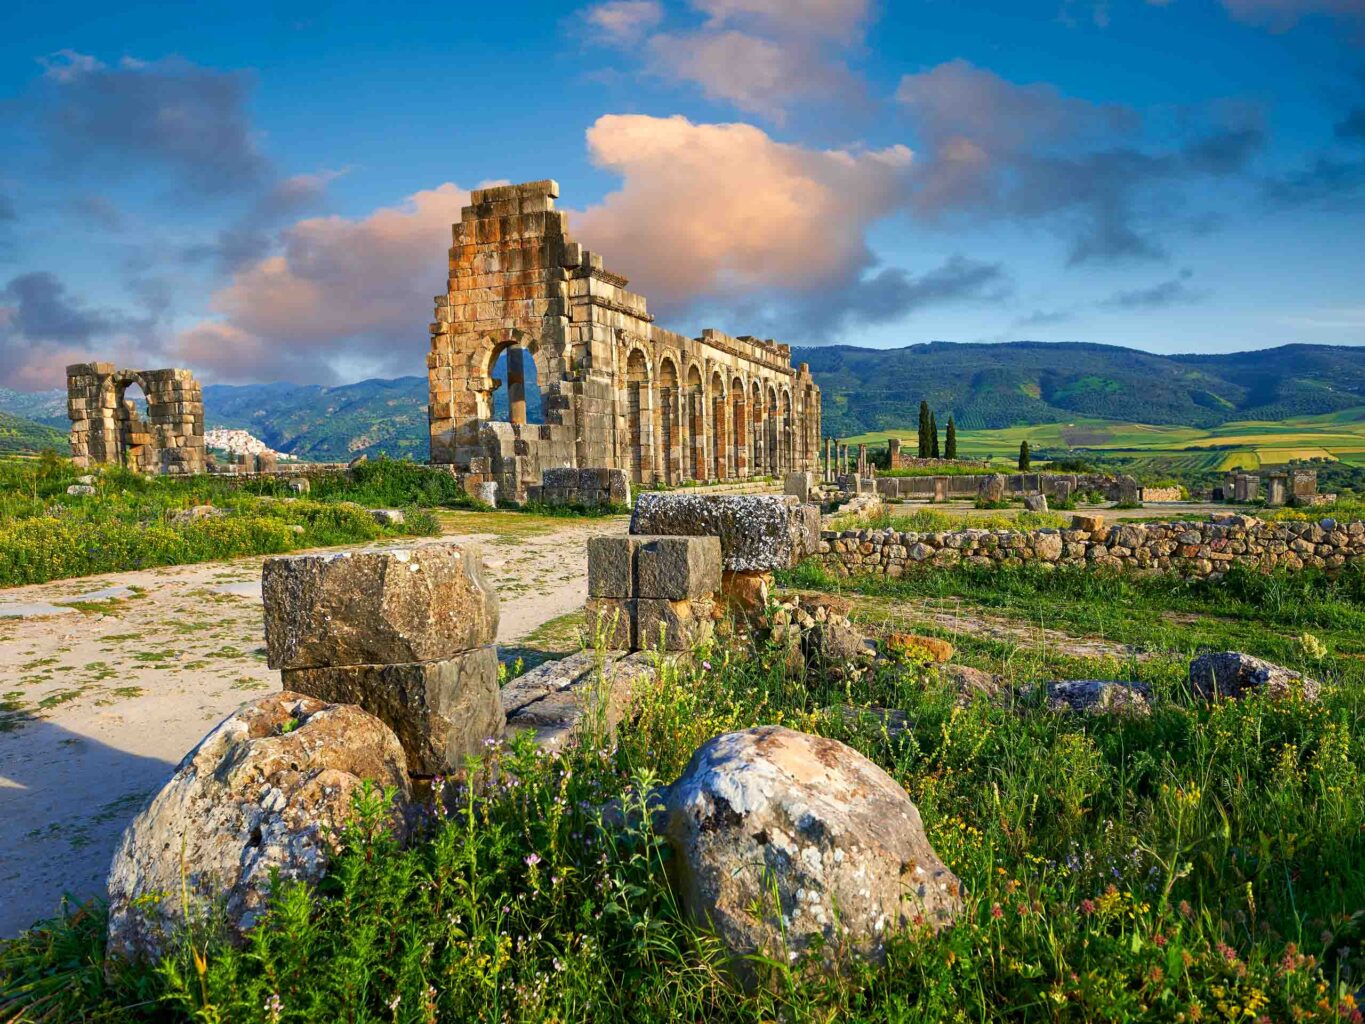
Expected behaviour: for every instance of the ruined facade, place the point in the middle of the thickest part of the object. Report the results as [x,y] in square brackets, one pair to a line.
[108,427]
[617,392]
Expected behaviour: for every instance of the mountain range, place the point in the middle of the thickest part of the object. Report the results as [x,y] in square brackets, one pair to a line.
[981,385]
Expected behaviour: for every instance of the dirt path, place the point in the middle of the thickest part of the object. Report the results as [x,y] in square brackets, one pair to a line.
[106,682]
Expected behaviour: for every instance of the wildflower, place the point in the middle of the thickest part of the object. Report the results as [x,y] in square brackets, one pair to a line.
[1160,940]
[532,860]
[996,912]
[393,1003]
[706,665]
[273,1008]
[1087,906]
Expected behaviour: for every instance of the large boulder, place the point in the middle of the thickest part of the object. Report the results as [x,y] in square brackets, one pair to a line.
[422,601]
[768,815]
[758,532]
[1236,675]
[264,791]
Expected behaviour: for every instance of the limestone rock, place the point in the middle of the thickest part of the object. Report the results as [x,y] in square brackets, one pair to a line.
[422,601]
[1089,522]
[262,792]
[970,681]
[440,711]
[195,514]
[746,593]
[1036,502]
[923,648]
[769,812]
[610,623]
[1097,696]
[388,516]
[80,490]
[758,532]
[565,701]
[1235,675]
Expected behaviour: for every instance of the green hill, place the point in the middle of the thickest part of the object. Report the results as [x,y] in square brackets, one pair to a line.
[986,387]
[1000,385]
[18,434]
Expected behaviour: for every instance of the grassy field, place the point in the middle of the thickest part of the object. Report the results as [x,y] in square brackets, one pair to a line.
[1246,445]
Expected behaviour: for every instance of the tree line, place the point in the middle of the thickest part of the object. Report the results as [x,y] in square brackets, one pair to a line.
[928,435]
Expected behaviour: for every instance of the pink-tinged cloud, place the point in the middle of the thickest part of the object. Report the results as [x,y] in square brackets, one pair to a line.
[341,293]
[624,22]
[719,210]
[757,75]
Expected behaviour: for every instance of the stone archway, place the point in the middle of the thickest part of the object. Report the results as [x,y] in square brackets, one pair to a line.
[739,424]
[667,424]
[720,433]
[694,412]
[638,440]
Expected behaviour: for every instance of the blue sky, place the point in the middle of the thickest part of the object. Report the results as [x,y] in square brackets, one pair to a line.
[265,191]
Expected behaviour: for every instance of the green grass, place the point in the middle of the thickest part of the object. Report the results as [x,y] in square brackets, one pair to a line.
[130,523]
[1198,864]
[929,520]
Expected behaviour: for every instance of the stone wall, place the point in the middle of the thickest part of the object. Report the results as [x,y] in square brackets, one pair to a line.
[1159,494]
[617,391]
[108,427]
[1188,548]
[584,488]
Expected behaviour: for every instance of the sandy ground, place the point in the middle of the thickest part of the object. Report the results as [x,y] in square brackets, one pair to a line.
[106,682]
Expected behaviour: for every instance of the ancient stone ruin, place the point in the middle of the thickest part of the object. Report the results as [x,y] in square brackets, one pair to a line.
[108,428]
[616,390]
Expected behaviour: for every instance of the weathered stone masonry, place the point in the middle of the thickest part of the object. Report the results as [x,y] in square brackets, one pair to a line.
[106,427]
[1188,548]
[617,391]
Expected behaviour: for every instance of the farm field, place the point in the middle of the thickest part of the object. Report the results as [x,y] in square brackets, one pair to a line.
[1245,444]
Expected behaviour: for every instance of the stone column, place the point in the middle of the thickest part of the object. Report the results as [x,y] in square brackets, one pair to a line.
[516,385]
[893,453]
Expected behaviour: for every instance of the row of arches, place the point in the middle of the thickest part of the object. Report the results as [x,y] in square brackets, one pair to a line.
[712,426]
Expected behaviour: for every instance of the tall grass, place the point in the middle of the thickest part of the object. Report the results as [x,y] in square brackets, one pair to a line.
[132,521]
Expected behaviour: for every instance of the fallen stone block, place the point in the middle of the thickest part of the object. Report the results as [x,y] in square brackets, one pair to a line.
[674,625]
[746,593]
[758,532]
[422,601]
[1035,502]
[1090,522]
[593,701]
[1234,675]
[441,711]
[388,516]
[785,842]
[677,568]
[264,791]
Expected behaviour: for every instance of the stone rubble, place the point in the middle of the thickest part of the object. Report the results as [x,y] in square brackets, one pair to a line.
[1232,675]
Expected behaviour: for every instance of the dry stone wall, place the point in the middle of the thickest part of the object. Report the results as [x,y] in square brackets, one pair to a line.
[1189,548]
[617,391]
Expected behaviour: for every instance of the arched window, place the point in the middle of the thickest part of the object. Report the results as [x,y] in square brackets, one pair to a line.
[516,389]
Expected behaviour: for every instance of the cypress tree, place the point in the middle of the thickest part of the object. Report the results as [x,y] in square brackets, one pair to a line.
[933,437]
[950,445]
[1023,455]
[923,429]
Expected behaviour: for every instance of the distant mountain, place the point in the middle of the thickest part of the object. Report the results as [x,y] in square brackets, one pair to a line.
[327,424]
[983,386]
[43,406]
[18,434]
[991,386]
